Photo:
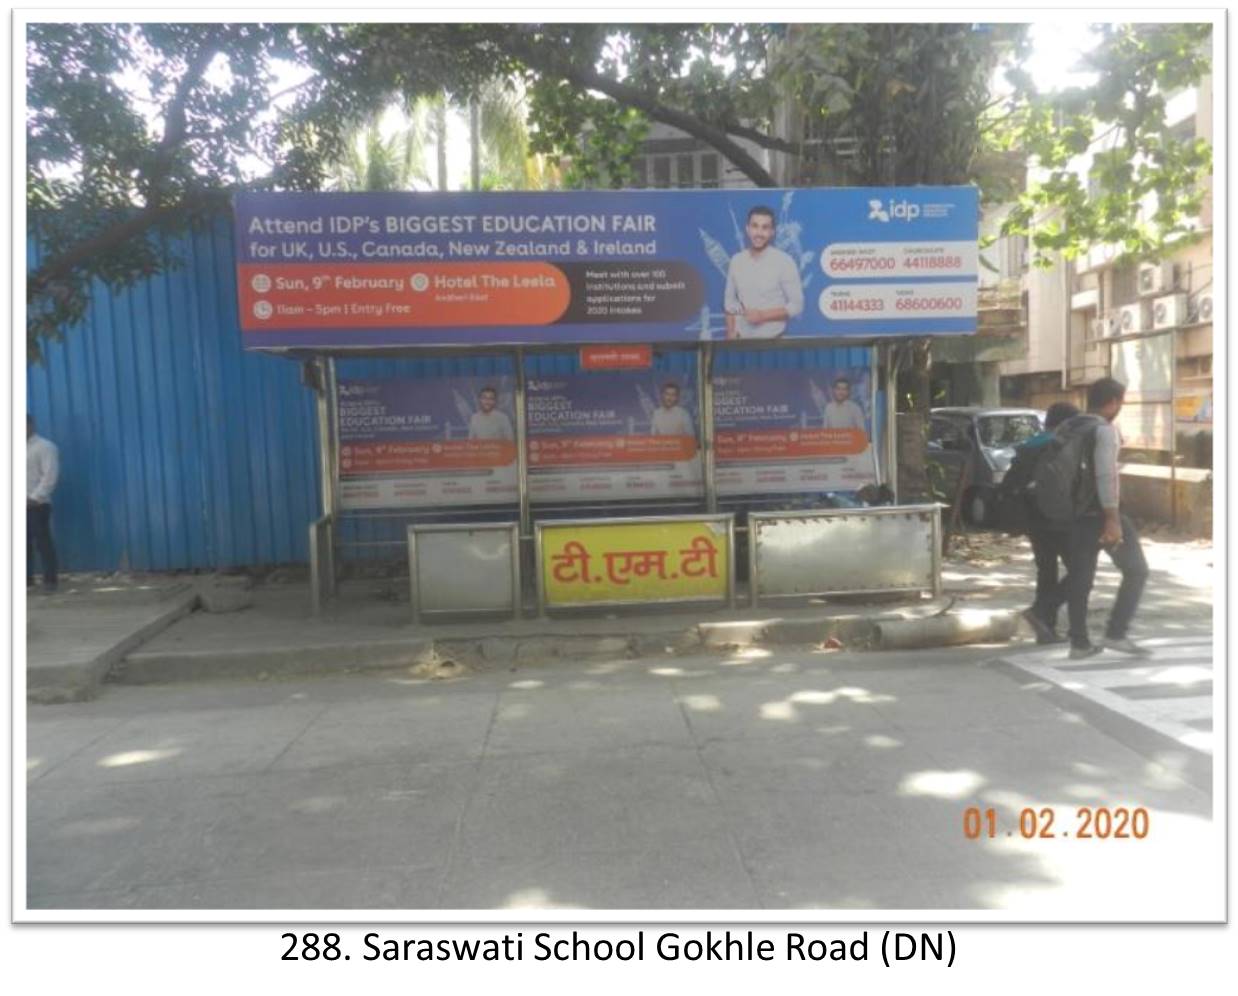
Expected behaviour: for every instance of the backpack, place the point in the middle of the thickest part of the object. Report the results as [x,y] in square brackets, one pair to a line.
[1063,485]
[1014,493]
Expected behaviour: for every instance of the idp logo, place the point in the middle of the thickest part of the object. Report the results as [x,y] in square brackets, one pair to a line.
[896,210]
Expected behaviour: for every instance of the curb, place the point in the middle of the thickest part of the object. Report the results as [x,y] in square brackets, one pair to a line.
[152,667]
[79,681]
[425,654]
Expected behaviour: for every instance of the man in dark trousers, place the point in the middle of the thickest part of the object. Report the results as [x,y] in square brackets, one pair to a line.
[42,473]
[1049,544]
[1099,525]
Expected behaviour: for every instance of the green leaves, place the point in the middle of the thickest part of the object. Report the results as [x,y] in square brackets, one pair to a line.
[1145,176]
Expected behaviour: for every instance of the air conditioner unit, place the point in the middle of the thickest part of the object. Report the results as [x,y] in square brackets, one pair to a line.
[1169,312]
[1131,319]
[1104,326]
[1203,308]
[1155,278]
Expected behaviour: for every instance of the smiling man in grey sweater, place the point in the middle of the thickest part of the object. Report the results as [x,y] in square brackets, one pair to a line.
[1100,525]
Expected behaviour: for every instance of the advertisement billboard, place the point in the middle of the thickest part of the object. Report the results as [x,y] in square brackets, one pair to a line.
[340,270]
[793,431]
[410,443]
[613,434]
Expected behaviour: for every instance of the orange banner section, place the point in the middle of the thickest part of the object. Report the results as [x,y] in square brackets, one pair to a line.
[790,444]
[452,454]
[616,357]
[565,451]
[377,295]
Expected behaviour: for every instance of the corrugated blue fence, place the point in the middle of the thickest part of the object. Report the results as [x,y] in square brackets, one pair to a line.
[181,450]
[178,449]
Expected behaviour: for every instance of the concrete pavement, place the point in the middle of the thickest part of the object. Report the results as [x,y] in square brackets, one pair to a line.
[767,778]
[74,639]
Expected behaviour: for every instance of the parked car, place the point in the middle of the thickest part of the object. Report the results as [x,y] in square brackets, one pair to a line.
[988,437]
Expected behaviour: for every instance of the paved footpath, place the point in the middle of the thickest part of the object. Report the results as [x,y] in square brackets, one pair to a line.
[766,779]
[1169,693]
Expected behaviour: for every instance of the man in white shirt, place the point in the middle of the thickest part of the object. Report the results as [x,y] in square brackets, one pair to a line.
[488,422]
[763,288]
[842,412]
[670,419]
[42,473]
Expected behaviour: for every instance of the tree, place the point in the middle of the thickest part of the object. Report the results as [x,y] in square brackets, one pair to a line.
[134,131]
[1147,184]
[112,166]
[375,162]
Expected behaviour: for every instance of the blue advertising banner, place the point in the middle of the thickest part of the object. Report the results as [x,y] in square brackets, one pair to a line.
[616,434]
[408,443]
[793,431]
[447,269]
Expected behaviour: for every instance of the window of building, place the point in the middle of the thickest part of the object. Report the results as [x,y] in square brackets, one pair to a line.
[661,171]
[640,172]
[709,169]
[685,171]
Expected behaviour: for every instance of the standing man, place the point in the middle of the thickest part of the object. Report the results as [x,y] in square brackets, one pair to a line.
[842,412]
[763,288]
[42,473]
[1099,525]
[670,419]
[488,422]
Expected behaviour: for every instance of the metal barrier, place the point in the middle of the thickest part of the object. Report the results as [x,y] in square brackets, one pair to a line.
[654,560]
[853,551]
[322,561]
[465,569]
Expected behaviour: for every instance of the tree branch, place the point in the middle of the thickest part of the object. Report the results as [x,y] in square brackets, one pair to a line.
[175,127]
[631,96]
[61,265]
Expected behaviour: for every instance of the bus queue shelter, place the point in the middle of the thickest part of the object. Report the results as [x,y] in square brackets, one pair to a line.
[603,388]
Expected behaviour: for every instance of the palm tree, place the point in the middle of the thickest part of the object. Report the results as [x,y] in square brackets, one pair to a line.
[499,156]
[377,163]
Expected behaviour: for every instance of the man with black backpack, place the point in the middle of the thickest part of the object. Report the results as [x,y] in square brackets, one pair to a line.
[1076,485]
[1018,513]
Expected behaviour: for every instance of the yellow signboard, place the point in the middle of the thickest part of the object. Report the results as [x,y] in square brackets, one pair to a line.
[1193,408]
[656,560]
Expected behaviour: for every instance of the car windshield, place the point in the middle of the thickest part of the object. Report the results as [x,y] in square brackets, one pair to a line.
[1002,431]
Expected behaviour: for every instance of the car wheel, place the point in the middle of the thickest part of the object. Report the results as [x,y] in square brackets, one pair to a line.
[979,507]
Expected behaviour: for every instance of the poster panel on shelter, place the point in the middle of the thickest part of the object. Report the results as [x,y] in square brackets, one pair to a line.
[411,443]
[793,431]
[340,270]
[615,434]
[1145,366]
[1146,425]
[648,562]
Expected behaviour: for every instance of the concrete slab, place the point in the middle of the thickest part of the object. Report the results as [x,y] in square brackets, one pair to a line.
[357,818]
[50,741]
[706,875]
[780,707]
[633,799]
[72,643]
[566,718]
[89,837]
[330,889]
[402,728]
[837,815]
[184,744]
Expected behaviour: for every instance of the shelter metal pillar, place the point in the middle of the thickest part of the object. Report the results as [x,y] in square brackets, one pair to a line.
[705,396]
